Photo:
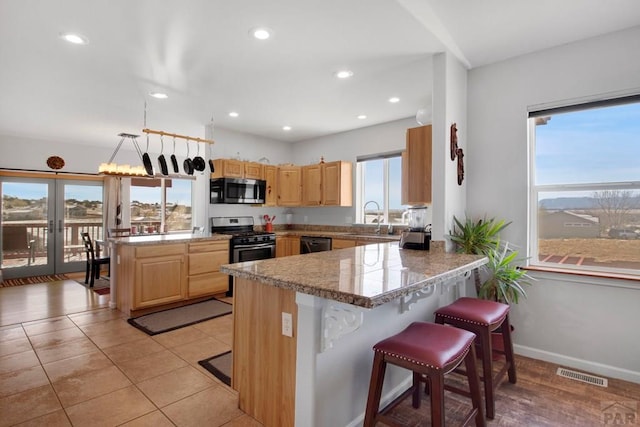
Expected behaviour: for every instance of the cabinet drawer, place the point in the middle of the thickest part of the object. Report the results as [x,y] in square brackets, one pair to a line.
[159,250]
[207,262]
[218,245]
[210,283]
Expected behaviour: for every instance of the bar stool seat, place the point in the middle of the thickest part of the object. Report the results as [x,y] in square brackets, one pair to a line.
[430,351]
[483,317]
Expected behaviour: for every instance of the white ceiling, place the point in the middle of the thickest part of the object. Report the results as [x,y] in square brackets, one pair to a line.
[200,53]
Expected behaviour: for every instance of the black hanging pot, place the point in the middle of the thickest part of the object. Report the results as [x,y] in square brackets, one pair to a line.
[211,166]
[198,162]
[162,162]
[146,160]
[174,159]
[187,165]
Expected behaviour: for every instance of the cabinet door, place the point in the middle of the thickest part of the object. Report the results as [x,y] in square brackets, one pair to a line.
[270,175]
[228,168]
[289,186]
[253,170]
[312,185]
[205,259]
[287,245]
[418,164]
[342,243]
[159,280]
[337,179]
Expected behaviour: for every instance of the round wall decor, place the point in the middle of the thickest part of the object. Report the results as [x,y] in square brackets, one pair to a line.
[55,162]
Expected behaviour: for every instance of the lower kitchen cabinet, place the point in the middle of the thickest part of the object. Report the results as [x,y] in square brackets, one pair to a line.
[342,243]
[159,276]
[287,245]
[155,275]
[205,259]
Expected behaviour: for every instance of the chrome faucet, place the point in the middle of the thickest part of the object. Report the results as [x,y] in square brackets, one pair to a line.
[364,208]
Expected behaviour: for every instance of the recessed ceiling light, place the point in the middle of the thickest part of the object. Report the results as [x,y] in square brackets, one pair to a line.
[394,99]
[233,114]
[74,38]
[362,116]
[287,128]
[260,33]
[344,74]
[159,95]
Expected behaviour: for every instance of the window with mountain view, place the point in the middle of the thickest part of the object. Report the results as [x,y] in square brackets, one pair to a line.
[379,184]
[585,186]
[161,203]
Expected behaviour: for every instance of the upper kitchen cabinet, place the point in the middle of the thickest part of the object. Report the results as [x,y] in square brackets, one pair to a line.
[271,176]
[230,168]
[312,185]
[289,184]
[337,184]
[416,167]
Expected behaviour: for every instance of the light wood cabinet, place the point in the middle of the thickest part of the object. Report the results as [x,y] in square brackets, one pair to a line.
[231,168]
[337,184]
[416,167]
[287,245]
[159,275]
[204,261]
[271,177]
[312,185]
[289,184]
[253,170]
[342,243]
[228,168]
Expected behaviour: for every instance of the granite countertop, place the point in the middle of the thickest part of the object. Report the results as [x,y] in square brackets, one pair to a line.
[341,235]
[155,239]
[365,276]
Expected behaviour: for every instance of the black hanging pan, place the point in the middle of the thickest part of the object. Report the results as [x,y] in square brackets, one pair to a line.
[187,165]
[174,159]
[146,160]
[162,162]
[198,162]
[211,166]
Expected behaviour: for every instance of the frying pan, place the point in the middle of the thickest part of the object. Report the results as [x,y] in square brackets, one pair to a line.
[211,166]
[198,162]
[162,162]
[146,160]
[174,160]
[187,165]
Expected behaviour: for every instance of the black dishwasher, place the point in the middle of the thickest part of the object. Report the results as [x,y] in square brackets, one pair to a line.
[310,244]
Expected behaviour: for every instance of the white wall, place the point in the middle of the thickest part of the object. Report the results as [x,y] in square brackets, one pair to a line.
[449,106]
[576,324]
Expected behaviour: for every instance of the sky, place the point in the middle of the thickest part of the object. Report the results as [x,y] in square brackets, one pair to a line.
[180,192]
[590,146]
[374,177]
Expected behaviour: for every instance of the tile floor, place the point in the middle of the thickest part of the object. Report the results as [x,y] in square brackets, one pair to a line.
[82,364]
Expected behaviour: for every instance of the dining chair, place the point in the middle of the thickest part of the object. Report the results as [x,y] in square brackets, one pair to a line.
[93,262]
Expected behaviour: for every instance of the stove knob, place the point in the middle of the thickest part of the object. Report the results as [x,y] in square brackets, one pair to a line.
[244,240]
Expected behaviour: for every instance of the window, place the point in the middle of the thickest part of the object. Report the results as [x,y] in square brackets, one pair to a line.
[150,198]
[379,189]
[585,187]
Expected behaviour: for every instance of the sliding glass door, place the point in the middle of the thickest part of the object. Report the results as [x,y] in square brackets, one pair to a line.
[42,221]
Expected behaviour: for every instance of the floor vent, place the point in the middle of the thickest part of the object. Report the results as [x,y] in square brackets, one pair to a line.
[579,376]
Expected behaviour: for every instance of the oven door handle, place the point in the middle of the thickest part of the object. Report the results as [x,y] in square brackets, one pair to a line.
[254,246]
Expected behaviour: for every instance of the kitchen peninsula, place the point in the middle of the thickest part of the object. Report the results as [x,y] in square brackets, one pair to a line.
[304,326]
[161,270]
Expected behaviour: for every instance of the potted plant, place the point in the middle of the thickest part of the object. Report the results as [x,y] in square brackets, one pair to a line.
[503,280]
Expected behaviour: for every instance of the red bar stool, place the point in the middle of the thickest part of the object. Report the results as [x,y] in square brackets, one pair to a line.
[483,317]
[431,351]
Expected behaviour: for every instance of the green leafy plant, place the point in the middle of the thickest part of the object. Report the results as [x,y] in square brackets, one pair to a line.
[506,280]
[476,237]
[482,237]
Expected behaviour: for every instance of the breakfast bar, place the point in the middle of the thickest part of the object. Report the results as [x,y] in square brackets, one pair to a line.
[304,326]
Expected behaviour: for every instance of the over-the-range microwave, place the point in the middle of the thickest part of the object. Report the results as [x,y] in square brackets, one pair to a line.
[238,190]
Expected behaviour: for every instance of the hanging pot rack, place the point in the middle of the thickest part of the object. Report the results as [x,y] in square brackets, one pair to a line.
[175,135]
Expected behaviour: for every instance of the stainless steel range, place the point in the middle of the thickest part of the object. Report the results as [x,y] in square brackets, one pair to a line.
[246,244]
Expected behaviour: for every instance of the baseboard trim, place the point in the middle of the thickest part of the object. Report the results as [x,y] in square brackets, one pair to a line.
[385,399]
[572,362]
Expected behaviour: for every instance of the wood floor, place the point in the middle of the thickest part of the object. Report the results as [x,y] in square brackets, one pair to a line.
[540,397]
